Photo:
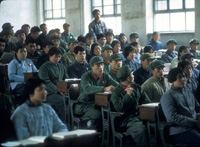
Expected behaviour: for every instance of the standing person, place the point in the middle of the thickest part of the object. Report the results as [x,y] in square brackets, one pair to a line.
[97,26]
[67,35]
[155,43]
[43,36]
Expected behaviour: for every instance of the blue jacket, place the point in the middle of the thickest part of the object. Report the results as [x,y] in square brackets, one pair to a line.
[132,64]
[156,45]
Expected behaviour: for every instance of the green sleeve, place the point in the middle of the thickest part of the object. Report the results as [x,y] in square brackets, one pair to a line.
[44,75]
[66,76]
[65,60]
[144,97]
[148,90]
[111,81]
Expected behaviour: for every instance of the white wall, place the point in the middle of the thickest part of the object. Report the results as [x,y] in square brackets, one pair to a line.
[18,12]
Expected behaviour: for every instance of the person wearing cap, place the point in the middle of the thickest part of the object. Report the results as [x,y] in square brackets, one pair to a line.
[32,50]
[117,48]
[101,39]
[157,85]
[107,51]
[26,28]
[67,35]
[170,54]
[68,58]
[115,62]
[43,36]
[77,69]
[6,35]
[125,98]
[143,73]
[123,40]
[181,51]
[137,47]
[44,57]
[2,46]
[129,53]
[194,43]
[155,43]
[109,38]
[134,37]
[180,108]
[52,72]
[35,31]
[56,42]
[92,82]
[97,26]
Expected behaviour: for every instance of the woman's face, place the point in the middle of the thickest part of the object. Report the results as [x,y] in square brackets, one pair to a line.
[22,53]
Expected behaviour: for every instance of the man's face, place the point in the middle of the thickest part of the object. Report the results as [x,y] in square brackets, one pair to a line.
[40,94]
[158,72]
[21,37]
[7,38]
[131,55]
[145,63]
[137,47]
[44,29]
[72,46]
[171,46]
[26,30]
[181,81]
[47,48]
[2,46]
[56,42]
[97,50]
[80,57]
[31,48]
[188,70]
[156,37]
[102,41]
[106,54]
[35,35]
[116,65]
[194,46]
[109,38]
[55,58]
[117,48]
[134,40]
[82,44]
[123,39]
[97,16]
[67,29]
[90,40]
[98,69]
[190,60]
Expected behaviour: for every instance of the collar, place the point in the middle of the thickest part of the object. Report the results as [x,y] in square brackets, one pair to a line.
[97,77]
[115,72]
[29,103]
[124,87]
[106,62]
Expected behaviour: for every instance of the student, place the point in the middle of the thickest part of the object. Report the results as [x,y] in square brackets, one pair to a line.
[136,45]
[34,117]
[2,46]
[157,85]
[134,37]
[95,49]
[123,41]
[26,29]
[52,72]
[109,38]
[125,98]
[6,35]
[117,48]
[89,42]
[179,107]
[56,42]
[194,43]
[97,26]
[170,53]
[143,73]
[77,69]
[67,35]
[16,69]
[115,62]
[107,51]
[43,36]
[101,39]
[21,37]
[35,31]
[92,82]
[155,43]
[129,54]
[181,51]
[148,49]
[31,49]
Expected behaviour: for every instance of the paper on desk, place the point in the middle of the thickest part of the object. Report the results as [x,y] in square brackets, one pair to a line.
[11,144]
[39,139]
[151,104]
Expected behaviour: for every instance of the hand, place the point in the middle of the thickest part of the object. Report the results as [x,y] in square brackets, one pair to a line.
[129,90]
[38,47]
[109,88]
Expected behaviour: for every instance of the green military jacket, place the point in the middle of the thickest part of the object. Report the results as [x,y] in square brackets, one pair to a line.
[52,73]
[68,59]
[196,55]
[113,74]
[107,68]
[155,88]
[122,102]
[66,37]
[90,85]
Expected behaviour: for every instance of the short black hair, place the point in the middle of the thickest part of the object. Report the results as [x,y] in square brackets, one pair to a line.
[127,50]
[156,33]
[114,43]
[19,46]
[172,76]
[81,38]
[32,84]
[99,36]
[183,64]
[18,32]
[25,25]
[2,40]
[109,34]
[121,35]
[57,30]
[30,40]
[52,31]
[42,25]
[92,48]
[35,29]
[78,48]
[88,35]
[181,48]
[54,51]
[95,11]
[47,43]
[134,44]
[147,48]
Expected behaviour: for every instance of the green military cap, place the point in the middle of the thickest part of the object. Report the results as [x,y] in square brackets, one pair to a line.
[72,40]
[171,41]
[96,60]
[124,72]
[115,57]
[134,35]
[7,26]
[147,56]
[156,63]
[194,41]
[107,47]
[6,32]
[55,37]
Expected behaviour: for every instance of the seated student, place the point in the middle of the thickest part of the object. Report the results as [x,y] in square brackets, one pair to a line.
[115,62]
[129,54]
[194,43]
[34,117]
[170,53]
[92,82]
[68,58]
[181,51]
[134,37]
[35,31]
[107,51]
[148,49]
[21,37]
[157,85]
[117,48]
[32,50]
[25,28]
[143,73]
[109,38]
[44,57]
[89,42]
[95,51]
[155,43]
[6,35]
[2,46]
[77,69]
[56,42]
[136,45]
[101,39]
[179,107]
[52,72]
[43,36]
[67,35]
[17,67]
[125,98]
[123,40]
[81,40]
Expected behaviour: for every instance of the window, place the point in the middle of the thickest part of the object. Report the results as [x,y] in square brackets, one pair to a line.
[54,13]
[174,15]
[110,13]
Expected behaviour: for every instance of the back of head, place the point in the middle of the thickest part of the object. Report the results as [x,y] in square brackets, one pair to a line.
[147,48]
[32,84]
[172,76]
[54,51]
[30,40]
[127,50]
[81,38]
[35,29]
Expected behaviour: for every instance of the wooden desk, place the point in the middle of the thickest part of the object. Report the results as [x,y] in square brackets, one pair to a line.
[28,75]
[102,99]
[4,69]
[63,86]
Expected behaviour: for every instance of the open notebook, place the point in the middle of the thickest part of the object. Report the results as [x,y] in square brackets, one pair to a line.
[7,57]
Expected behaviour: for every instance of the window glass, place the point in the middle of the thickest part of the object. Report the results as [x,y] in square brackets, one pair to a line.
[108,10]
[161,5]
[162,22]
[190,21]
[189,3]
[177,21]
[175,4]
